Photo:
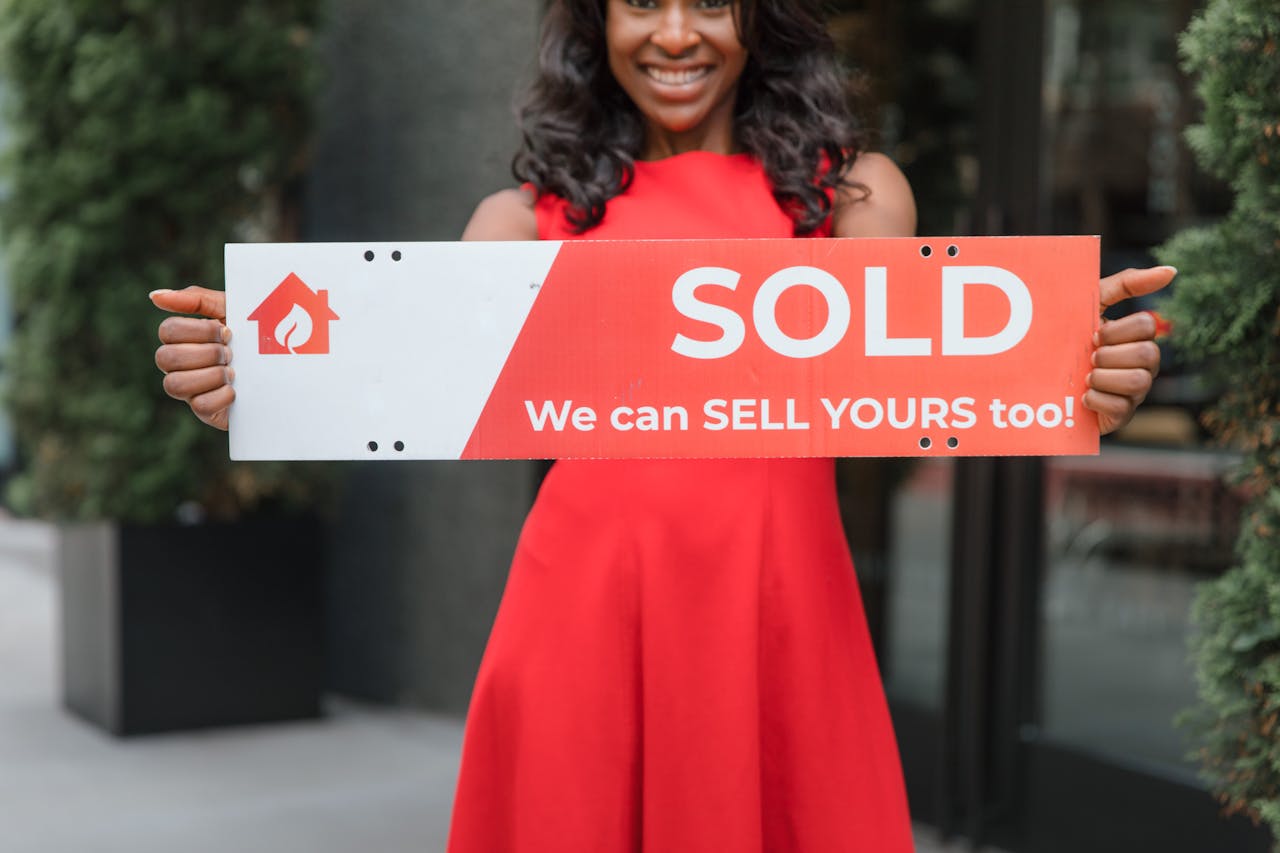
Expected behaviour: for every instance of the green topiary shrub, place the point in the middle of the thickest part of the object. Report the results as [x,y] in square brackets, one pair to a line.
[1226,313]
[145,134]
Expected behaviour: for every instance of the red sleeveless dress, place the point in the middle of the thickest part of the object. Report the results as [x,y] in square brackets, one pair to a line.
[680,662]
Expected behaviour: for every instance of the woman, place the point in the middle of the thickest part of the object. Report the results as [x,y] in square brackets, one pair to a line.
[680,662]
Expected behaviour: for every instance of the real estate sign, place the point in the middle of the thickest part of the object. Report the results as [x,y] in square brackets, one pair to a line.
[681,348]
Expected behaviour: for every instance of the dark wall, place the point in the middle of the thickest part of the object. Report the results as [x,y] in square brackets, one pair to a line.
[415,127]
[416,117]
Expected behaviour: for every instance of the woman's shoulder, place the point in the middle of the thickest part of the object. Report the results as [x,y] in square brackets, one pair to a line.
[878,204]
[505,215]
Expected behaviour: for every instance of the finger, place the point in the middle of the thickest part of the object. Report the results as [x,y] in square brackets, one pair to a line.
[1143,354]
[1132,382]
[188,384]
[178,357]
[1134,327]
[1133,282]
[212,407]
[1113,410]
[192,300]
[188,330]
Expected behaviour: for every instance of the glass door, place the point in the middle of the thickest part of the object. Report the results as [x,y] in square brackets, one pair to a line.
[1129,533]
[1031,615]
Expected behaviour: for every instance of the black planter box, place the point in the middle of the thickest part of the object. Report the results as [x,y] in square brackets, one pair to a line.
[171,627]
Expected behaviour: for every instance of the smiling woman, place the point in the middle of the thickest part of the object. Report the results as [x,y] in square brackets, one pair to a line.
[681,661]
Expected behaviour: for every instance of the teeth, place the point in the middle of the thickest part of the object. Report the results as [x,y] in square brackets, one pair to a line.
[676,78]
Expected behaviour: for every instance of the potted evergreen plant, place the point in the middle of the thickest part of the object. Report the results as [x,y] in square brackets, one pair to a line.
[145,134]
[1226,313]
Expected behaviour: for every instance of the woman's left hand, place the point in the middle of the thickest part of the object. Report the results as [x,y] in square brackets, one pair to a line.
[1125,356]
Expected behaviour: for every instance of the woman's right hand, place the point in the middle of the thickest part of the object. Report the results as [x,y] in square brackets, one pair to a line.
[194,352]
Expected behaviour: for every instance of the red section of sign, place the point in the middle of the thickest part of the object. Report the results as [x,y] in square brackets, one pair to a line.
[802,348]
[294,319]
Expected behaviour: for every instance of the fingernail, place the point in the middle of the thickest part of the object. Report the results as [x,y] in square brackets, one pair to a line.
[1097,339]
[227,355]
[231,375]
[153,293]
[1171,268]
[225,334]
[1093,358]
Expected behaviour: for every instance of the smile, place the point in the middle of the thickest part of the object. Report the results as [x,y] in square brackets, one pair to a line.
[676,77]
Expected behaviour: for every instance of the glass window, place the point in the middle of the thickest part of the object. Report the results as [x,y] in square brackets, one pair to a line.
[1131,531]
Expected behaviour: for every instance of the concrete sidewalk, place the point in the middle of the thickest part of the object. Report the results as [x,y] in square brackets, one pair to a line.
[364,779]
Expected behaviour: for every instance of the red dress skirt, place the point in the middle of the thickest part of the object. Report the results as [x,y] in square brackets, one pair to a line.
[681,662]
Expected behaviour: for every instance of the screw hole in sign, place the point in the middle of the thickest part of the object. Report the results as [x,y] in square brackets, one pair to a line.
[926,251]
[952,251]
[395,256]
[399,445]
[925,443]
[368,256]
[953,442]
[373,446]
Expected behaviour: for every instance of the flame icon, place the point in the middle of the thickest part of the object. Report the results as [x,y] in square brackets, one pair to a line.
[295,329]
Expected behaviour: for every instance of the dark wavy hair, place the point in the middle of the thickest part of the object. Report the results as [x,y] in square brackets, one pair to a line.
[581,133]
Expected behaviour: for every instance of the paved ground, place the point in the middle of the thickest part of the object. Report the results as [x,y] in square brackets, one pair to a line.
[364,779]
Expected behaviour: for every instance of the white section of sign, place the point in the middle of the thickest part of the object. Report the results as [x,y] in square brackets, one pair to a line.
[469,300]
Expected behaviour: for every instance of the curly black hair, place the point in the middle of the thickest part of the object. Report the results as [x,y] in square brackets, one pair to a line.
[581,133]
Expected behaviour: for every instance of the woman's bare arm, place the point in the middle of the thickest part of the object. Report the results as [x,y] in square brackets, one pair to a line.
[505,215]
[886,208]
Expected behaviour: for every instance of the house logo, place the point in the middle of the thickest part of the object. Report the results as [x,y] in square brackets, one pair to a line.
[294,319]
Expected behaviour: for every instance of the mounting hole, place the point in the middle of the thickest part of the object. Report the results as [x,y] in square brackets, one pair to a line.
[395,256]
[399,445]
[952,251]
[953,442]
[373,446]
[368,256]
[925,443]
[926,251]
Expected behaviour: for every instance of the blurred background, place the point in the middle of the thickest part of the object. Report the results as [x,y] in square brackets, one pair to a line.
[1030,615]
